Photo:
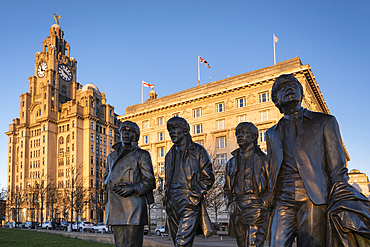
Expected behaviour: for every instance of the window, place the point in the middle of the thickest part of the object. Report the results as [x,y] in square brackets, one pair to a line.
[110,143]
[220,107]
[43,139]
[92,160]
[73,135]
[161,167]
[264,97]
[161,152]
[264,115]
[262,135]
[92,171]
[200,142]
[101,140]
[220,124]
[110,132]
[221,159]
[241,102]
[104,142]
[92,148]
[221,142]
[92,125]
[44,107]
[198,129]
[145,124]
[97,139]
[146,139]
[73,124]
[161,136]
[73,147]
[73,158]
[44,127]
[160,121]
[104,152]
[197,112]
[92,137]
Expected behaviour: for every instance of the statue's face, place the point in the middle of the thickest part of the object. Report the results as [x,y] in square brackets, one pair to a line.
[128,135]
[289,91]
[244,138]
[176,133]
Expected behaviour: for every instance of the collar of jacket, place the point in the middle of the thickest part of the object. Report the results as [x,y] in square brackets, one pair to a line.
[118,149]
[190,145]
[306,113]
[236,152]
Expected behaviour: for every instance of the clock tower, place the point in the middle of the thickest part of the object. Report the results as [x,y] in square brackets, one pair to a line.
[61,139]
[55,75]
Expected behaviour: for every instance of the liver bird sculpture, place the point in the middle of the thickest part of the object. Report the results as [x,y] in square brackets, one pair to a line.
[56,18]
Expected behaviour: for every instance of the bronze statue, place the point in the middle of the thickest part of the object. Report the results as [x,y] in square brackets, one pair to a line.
[189,175]
[246,188]
[306,161]
[129,182]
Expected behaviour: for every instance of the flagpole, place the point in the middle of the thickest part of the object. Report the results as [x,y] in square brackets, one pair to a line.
[198,72]
[142,92]
[273,41]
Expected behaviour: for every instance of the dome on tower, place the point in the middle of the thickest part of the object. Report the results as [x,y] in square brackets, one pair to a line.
[56,26]
[91,86]
[152,95]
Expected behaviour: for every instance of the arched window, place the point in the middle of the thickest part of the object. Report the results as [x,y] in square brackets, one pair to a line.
[68,143]
[61,142]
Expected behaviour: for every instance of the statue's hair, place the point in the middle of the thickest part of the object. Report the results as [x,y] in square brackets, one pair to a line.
[133,126]
[275,87]
[181,122]
[250,127]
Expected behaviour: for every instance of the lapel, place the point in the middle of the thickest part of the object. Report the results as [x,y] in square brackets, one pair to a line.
[189,151]
[307,115]
[169,165]
[278,144]
[234,167]
[120,153]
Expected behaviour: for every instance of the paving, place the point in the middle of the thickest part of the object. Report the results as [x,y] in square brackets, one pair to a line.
[152,241]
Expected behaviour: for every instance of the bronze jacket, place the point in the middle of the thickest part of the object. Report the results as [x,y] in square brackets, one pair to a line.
[135,167]
[260,175]
[198,170]
[318,153]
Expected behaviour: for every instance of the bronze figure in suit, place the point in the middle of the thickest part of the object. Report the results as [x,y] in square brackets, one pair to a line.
[246,188]
[189,176]
[306,159]
[129,182]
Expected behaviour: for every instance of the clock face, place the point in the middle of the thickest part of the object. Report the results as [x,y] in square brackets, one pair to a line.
[41,69]
[64,72]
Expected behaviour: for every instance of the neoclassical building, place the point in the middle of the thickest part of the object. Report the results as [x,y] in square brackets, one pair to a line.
[213,111]
[60,140]
[360,181]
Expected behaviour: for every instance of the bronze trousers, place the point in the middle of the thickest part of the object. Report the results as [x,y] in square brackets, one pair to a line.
[182,218]
[249,219]
[295,215]
[128,236]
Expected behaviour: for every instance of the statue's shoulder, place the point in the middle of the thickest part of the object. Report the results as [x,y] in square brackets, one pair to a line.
[141,151]
[318,116]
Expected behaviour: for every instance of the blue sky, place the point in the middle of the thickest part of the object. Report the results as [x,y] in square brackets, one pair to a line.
[119,43]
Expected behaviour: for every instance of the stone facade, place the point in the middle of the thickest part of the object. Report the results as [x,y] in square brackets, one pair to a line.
[360,181]
[213,111]
[61,139]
